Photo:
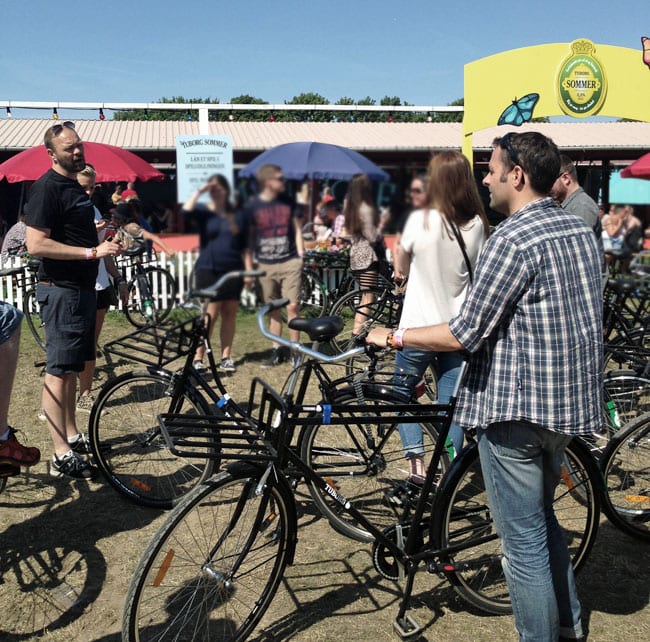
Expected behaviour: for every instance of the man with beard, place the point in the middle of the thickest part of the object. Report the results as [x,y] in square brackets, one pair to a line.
[61,230]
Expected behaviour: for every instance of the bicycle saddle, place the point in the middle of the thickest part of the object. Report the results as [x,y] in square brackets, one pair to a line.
[318,329]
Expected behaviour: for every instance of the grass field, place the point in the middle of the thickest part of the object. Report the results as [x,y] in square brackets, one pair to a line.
[68,550]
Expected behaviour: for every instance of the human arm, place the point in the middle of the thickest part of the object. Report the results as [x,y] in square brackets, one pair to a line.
[300,242]
[154,238]
[118,279]
[437,338]
[39,243]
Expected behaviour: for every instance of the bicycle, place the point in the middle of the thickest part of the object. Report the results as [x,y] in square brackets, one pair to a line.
[152,289]
[131,453]
[215,564]
[625,465]
[24,282]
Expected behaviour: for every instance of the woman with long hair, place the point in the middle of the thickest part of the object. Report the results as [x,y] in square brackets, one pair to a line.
[223,235]
[361,225]
[439,247]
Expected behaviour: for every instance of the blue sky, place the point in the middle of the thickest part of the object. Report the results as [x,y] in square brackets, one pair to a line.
[141,51]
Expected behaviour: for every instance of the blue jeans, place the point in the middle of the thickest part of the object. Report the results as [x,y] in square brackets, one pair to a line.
[521,469]
[411,365]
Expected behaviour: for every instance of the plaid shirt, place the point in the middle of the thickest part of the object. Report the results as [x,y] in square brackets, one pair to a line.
[533,323]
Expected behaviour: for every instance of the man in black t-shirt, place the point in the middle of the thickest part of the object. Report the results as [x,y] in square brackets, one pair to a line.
[61,230]
[276,236]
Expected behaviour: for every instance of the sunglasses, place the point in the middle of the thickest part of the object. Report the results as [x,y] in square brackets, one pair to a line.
[505,142]
[58,128]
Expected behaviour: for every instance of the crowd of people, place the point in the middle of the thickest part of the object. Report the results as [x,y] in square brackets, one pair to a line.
[499,301]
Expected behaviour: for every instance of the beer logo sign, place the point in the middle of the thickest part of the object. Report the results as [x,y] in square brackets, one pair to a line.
[581,83]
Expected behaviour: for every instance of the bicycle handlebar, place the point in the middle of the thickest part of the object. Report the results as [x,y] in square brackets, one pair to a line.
[212,291]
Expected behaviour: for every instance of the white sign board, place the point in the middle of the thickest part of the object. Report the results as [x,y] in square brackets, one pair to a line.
[198,158]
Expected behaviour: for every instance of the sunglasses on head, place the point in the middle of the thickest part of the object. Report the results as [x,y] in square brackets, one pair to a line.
[58,128]
[505,142]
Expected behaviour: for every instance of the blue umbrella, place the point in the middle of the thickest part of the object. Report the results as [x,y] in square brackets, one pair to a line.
[317,161]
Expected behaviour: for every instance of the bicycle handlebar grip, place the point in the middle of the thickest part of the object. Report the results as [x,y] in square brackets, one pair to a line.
[276,304]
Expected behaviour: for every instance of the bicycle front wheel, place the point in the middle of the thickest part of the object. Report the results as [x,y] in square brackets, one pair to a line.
[366,464]
[626,469]
[128,446]
[461,518]
[213,568]
[33,318]
[162,290]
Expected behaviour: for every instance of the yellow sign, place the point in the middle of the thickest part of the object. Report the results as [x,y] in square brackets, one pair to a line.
[581,81]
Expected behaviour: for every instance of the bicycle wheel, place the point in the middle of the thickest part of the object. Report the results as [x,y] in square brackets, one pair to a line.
[33,316]
[313,296]
[626,397]
[365,463]
[212,569]
[162,290]
[385,310]
[128,446]
[626,469]
[461,516]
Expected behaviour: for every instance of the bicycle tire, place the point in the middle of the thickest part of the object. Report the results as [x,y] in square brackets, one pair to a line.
[364,474]
[313,296]
[626,469]
[223,540]
[461,512]
[128,447]
[33,317]
[384,311]
[163,290]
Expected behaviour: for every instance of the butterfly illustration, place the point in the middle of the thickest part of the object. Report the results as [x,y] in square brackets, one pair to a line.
[645,43]
[521,111]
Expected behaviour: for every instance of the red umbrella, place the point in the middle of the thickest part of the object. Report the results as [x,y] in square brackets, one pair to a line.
[111,163]
[640,168]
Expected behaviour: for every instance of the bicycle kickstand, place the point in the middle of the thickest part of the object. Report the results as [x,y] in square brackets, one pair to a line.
[404,624]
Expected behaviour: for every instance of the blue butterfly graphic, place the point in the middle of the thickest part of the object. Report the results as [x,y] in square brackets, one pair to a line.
[521,111]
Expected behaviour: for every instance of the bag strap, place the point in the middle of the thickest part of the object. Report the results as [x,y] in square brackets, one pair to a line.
[463,249]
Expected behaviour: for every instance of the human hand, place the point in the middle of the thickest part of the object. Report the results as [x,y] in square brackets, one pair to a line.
[109,247]
[377,336]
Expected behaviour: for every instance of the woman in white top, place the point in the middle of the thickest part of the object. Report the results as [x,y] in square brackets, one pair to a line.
[438,250]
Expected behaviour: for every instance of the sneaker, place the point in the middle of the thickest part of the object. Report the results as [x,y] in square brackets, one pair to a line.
[71,465]
[85,403]
[13,453]
[198,366]
[274,360]
[80,445]
[227,365]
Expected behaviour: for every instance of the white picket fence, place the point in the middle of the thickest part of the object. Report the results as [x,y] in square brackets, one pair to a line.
[180,267]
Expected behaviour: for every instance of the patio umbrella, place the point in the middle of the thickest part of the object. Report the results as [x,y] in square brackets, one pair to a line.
[111,163]
[317,161]
[640,168]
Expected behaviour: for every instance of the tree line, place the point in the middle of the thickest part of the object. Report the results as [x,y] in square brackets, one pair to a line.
[324,116]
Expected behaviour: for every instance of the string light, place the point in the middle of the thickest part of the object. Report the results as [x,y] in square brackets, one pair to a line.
[231,116]
[55,114]
[101,114]
[8,112]
[429,118]
[272,117]
[390,117]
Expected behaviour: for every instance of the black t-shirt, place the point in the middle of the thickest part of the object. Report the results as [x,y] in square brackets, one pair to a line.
[60,204]
[272,223]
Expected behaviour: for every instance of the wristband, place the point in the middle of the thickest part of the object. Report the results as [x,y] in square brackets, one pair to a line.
[91,253]
[118,280]
[398,338]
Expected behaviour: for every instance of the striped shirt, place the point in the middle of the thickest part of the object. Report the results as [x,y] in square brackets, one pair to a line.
[533,325]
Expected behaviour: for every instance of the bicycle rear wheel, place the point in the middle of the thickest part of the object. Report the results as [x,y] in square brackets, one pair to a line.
[127,443]
[33,318]
[626,469]
[462,517]
[162,290]
[365,463]
[214,566]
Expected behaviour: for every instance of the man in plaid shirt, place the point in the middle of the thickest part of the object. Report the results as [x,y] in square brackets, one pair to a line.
[532,324]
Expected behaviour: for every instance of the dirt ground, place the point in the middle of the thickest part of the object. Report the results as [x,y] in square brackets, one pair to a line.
[68,550]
